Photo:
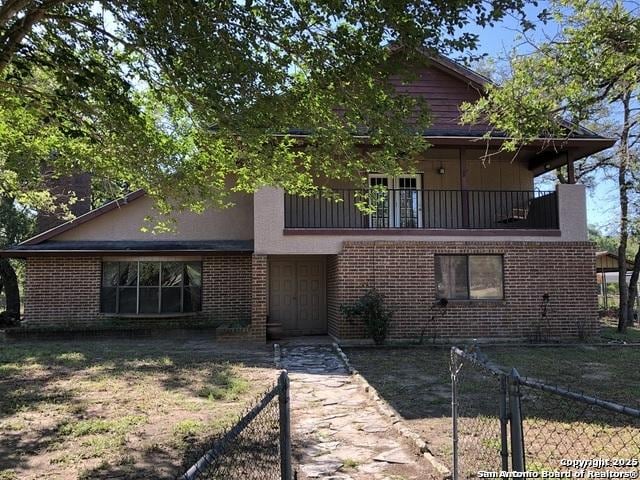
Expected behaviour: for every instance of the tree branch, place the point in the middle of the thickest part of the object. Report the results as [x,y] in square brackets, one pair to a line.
[11,8]
[20,29]
[93,28]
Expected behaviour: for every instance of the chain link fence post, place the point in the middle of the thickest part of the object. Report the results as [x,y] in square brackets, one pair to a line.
[285,427]
[556,423]
[504,423]
[454,408]
[517,438]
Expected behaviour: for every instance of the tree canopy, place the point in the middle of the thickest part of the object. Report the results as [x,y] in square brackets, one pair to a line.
[593,60]
[589,70]
[177,97]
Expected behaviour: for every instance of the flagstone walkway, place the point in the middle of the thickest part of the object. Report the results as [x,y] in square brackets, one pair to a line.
[338,433]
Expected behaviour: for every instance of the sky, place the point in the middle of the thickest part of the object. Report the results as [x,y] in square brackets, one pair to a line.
[602,204]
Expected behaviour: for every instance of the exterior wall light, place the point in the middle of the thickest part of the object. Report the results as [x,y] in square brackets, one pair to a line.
[441,170]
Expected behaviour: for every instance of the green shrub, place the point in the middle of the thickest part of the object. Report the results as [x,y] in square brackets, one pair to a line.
[373,312]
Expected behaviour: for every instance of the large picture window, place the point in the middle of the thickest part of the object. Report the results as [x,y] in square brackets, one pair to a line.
[469,277]
[141,287]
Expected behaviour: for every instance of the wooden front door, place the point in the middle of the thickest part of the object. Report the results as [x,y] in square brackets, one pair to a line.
[297,294]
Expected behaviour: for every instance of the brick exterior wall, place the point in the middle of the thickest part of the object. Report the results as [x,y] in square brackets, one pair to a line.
[65,292]
[62,292]
[63,188]
[259,297]
[334,319]
[226,288]
[404,273]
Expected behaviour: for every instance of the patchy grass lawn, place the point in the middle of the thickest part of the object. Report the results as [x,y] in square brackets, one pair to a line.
[416,382]
[609,331]
[125,408]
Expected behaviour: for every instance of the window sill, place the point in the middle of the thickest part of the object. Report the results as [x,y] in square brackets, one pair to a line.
[150,315]
[461,301]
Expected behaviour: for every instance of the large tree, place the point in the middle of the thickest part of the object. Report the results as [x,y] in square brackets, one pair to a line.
[16,223]
[193,99]
[591,68]
[177,96]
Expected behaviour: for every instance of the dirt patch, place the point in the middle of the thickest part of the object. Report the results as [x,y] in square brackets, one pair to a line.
[125,408]
[416,382]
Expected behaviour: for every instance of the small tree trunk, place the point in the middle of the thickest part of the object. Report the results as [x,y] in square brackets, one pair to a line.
[623,184]
[633,289]
[623,311]
[9,279]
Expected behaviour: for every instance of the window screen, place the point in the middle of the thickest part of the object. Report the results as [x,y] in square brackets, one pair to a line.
[485,276]
[451,276]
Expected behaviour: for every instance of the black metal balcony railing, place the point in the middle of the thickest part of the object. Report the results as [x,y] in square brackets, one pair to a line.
[428,209]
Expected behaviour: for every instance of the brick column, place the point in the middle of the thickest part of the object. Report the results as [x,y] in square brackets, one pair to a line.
[259,269]
[335,319]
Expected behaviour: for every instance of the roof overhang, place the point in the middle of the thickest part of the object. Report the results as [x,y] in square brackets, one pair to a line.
[543,154]
[569,151]
[609,262]
[128,248]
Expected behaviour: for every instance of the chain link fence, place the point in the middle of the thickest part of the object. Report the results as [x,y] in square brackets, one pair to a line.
[503,422]
[257,447]
[479,414]
[559,424]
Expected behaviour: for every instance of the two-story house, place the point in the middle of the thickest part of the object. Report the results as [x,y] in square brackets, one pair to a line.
[476,233]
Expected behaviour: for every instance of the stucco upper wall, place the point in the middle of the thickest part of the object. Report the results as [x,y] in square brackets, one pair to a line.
[124,223]
[271,239]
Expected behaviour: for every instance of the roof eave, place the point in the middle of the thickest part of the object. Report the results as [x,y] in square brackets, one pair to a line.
[23,254]
[492,141]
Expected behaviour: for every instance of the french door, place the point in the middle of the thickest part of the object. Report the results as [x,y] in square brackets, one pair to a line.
[397,201]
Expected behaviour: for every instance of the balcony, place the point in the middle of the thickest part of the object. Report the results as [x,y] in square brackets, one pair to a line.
[425,209]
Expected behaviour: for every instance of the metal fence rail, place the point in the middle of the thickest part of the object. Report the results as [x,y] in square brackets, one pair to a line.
[502,421]
[257,447]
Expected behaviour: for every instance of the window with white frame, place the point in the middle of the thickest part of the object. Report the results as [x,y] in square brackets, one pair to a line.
[469,277]
[397,201]
[148,287]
